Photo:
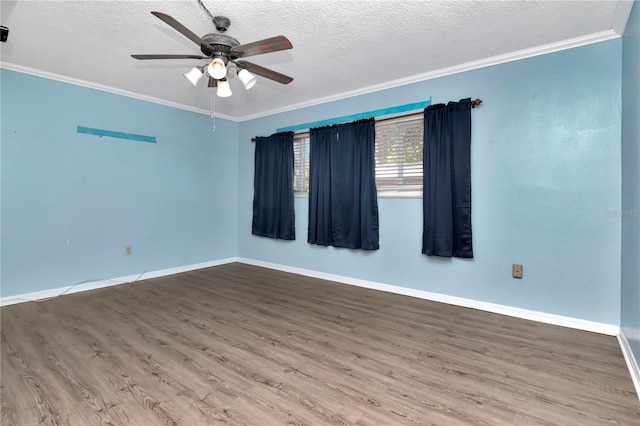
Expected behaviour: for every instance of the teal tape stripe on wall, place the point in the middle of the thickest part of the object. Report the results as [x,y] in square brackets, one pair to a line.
[119,135]
[360,116]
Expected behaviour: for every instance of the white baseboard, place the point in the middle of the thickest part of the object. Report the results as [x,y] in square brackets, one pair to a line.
[580,324]
[632,363]
[92,285]
[596,327]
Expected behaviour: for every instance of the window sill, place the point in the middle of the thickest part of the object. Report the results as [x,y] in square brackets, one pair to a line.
[385,194]
[399,194]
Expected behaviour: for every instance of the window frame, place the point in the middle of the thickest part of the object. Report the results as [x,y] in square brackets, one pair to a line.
[386,193]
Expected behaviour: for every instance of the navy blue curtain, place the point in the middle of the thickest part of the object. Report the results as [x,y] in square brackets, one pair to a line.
[446,162]
[273,212]
[343,201]
[320,140]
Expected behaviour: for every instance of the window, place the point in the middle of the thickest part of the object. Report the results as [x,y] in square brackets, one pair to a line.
[301,163]
[399,154]
[398,157]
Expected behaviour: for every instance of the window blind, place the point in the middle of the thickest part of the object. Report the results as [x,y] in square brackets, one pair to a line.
[301,163]
[399,154]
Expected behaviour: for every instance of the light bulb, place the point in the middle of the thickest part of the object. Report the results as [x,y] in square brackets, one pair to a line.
[224,89]
[217,69]
[248,79]
[194,75]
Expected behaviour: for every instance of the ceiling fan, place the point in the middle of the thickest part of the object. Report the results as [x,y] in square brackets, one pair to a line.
[225,54]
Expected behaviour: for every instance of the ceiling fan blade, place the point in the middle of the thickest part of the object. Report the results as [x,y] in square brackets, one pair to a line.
[169,57]
[265,72]
[259,47]
[212,82]
[182,29]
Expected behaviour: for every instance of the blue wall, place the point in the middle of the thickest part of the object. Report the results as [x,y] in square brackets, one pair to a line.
[630,310]
[72,202]
[545,172]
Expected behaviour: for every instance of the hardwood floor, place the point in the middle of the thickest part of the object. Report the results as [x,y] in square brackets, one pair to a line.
[238,344]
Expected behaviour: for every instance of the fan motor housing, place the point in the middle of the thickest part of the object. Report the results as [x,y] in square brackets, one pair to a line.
[221,44]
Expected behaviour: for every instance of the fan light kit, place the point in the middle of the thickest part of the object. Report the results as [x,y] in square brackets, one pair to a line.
[217,69]
[224,89]
[247,79]
[223,53]
[194,75]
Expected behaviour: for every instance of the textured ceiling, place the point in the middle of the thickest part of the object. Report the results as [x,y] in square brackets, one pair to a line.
[339,46]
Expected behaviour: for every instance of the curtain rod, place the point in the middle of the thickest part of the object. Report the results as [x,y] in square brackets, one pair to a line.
[474,103]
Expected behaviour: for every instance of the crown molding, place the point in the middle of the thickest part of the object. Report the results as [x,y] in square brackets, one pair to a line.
[104,88]
[621,17]
[456,69]
[623,11]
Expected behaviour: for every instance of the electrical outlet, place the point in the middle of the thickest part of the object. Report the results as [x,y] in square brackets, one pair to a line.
[517,271]
[127,250]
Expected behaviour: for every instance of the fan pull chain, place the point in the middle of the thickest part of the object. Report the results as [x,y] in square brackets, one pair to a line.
[213,110]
